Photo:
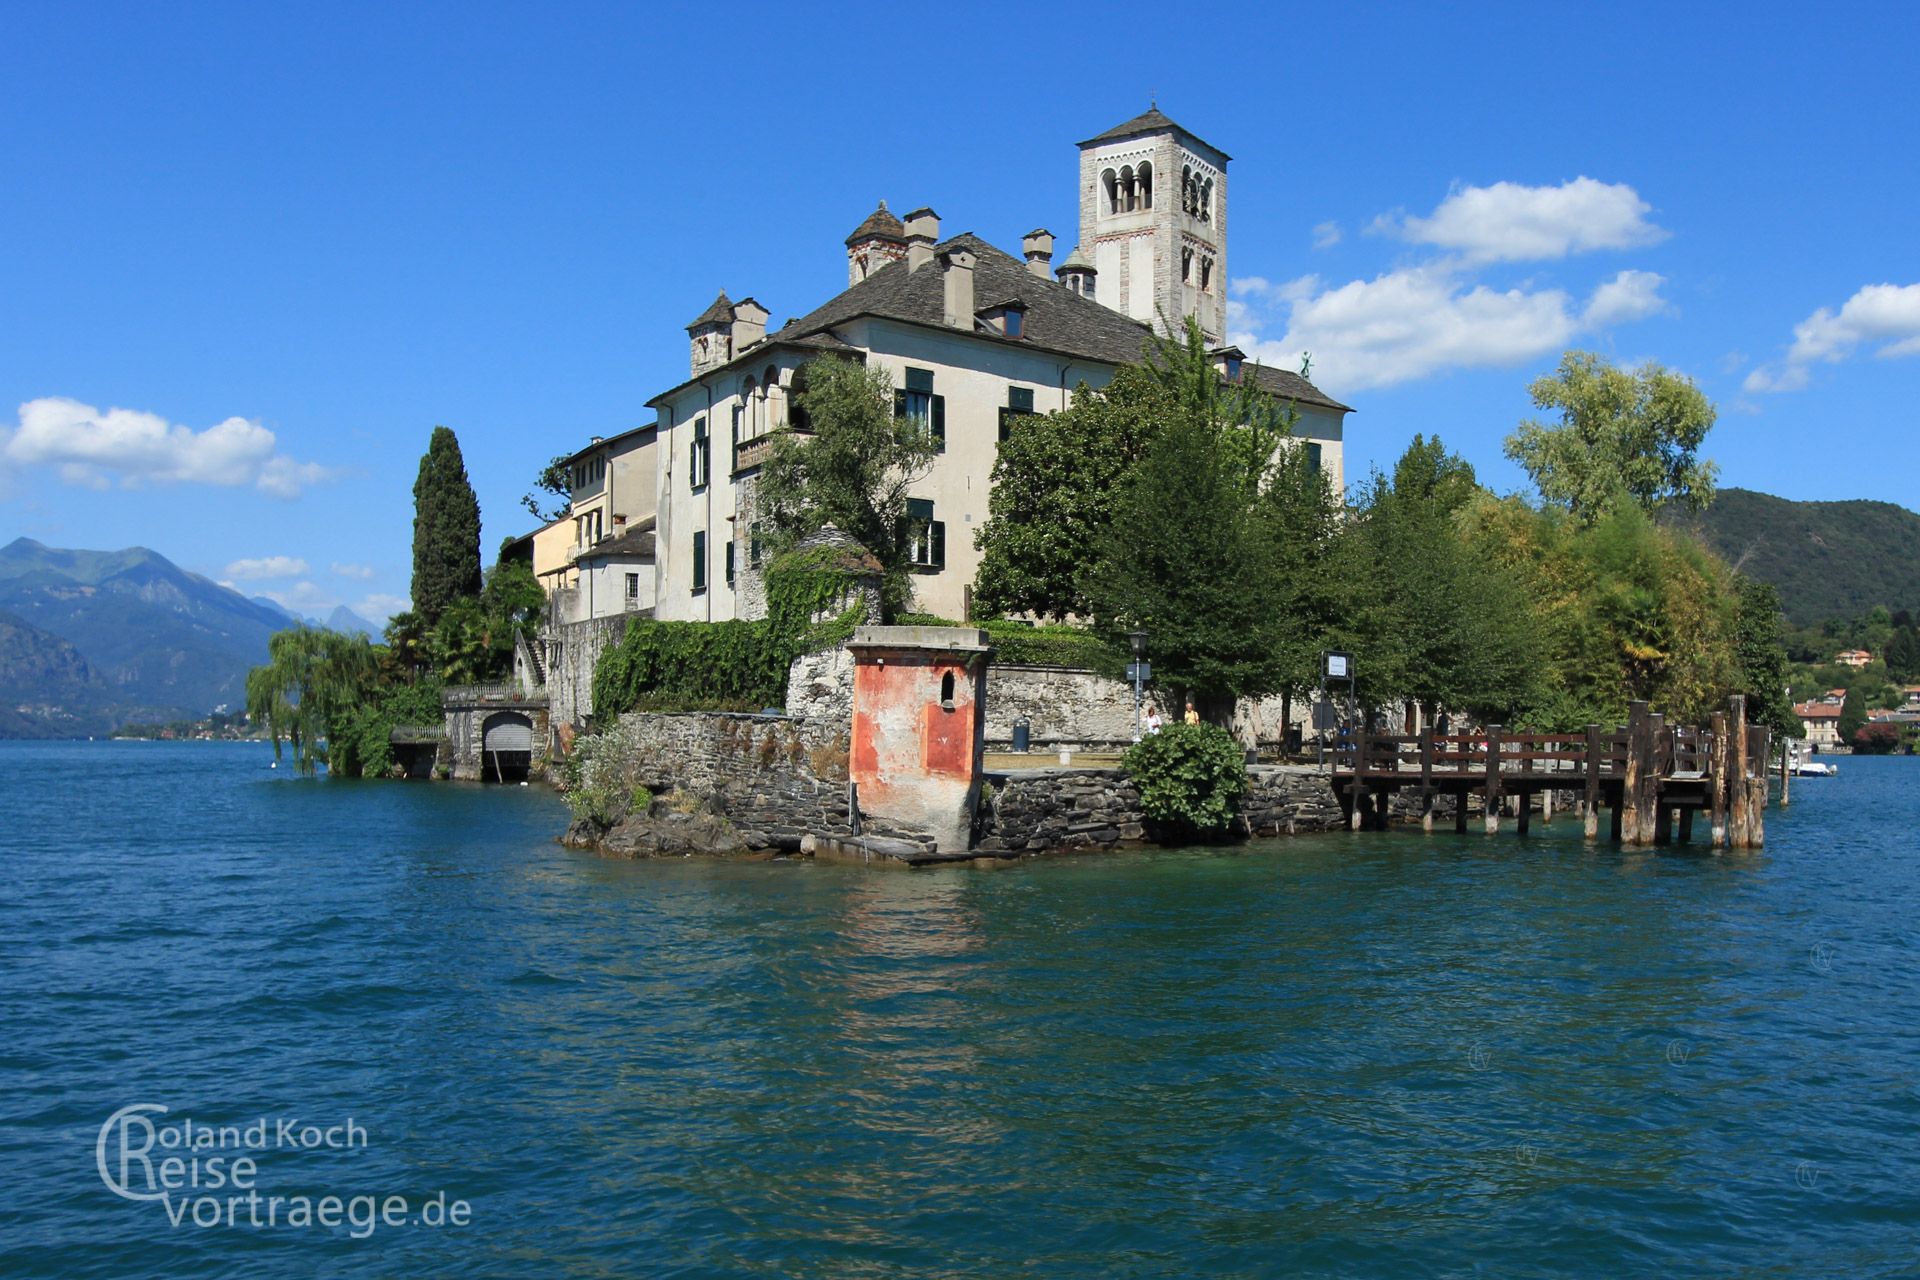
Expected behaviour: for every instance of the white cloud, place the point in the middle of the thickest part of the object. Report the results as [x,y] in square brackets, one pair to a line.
[360,571]
[1631,295]
[1418,321]
[86,446]
[1884,314]
[1326,235]
[267,567]
[1508,222]
[306,598]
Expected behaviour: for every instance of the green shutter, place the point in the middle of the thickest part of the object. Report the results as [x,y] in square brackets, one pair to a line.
[939,540]
[700,560]
[729,563]
[1020,399]
[920,380]
[919,509]
[940,424]
[1313,457]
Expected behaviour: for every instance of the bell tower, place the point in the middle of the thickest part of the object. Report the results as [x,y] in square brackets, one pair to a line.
[1153,223]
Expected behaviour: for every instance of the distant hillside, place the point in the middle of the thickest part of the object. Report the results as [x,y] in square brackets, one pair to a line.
[1829,559]
[47,690]
[157,639]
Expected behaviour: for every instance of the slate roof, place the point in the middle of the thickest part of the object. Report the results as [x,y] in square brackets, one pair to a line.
[719,311]
[879,224]
[580,453]
[637,544]
[1152,120]
[1057,319]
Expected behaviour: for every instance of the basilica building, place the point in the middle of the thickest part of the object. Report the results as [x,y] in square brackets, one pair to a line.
[972,337]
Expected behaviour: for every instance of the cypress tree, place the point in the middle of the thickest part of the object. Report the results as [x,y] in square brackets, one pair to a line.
[446,529]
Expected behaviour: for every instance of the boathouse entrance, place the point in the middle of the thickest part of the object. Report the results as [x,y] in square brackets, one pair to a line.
[506,751]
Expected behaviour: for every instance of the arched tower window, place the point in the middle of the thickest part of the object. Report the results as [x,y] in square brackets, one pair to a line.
[1206,200]
[747,388]
[796,411]
[1206,275]
[1128,197]
[769,386]
[1111,182]
[1189,192]
[1186,266]
[1143,176]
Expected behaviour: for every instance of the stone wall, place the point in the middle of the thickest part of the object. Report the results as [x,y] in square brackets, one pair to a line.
[572,650]
[774,779]
[1083,710]
[1037,810]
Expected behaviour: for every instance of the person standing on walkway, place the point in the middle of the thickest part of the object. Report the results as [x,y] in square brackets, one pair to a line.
[1193,717]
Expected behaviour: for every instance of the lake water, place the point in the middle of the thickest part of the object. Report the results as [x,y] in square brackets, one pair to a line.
[1375,1055]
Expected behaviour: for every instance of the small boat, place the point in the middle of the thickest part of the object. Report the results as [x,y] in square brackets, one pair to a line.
[1802,766]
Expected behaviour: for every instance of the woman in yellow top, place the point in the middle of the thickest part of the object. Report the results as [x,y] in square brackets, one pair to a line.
[1193,717]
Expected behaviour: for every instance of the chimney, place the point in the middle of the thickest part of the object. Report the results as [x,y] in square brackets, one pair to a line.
[749,324]
[923,232]
[956,271]
[1038,248]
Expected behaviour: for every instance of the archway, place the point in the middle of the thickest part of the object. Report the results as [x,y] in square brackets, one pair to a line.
[506,747]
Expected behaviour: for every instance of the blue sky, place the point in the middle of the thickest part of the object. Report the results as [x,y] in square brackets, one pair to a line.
[286,242]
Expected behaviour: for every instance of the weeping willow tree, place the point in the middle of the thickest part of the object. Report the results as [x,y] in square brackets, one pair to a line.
[312,678]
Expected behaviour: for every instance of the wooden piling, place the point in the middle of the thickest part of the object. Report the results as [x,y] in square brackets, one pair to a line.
[1717,797]
[1493,780]
[1522,810]
[1686,824]
[1591,829]
[1757,806]
[1426,779]
[1654,752]
[1738,792]
[1627,812]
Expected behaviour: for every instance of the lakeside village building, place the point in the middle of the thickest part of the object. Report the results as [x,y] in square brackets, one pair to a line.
[661,517]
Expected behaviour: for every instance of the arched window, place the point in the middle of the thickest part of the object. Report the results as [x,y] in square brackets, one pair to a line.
[1206,275]
[946,691]
[1189,197]
[769,407]
[796,407]
[747,389]
[1206,200]
[1112,184]
[1128,197]
[1186,266]
[1144,177]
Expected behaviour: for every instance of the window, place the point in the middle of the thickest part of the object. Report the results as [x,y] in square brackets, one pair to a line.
[1112,184]
[699,561]
[1233,368]
[1129,197]
[733,450]
[1206,275]
[753,545]
[1016,322]
[1313,457]
[1186,266]
[729,563]
[917,406]
[633,588]
[1019,404]
[1144,177]
[796,411]
[699,455]
[926,537]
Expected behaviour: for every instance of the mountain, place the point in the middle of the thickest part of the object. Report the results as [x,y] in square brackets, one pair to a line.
[1829,559]
[46,688]
[345,619]
[160,641]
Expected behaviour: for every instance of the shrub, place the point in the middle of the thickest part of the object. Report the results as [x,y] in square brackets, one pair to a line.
[602,782]
[1191,777]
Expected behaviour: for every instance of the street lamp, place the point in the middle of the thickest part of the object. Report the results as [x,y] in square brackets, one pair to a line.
[1138,671]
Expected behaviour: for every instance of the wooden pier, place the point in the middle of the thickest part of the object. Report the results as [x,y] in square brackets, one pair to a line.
[1654,779]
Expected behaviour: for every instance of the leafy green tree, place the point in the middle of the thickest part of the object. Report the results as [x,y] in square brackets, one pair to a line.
[1191,778]
[446,529]
[855,471]
[312,679]
[1623,435]
[1438,620]
[1762,660]
[1903,655]
[1853,714]
[1054,483]
[554,481]
[1186,552]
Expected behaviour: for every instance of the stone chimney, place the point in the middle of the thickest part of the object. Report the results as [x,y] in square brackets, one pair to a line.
[956,271]
[1038,248]
[749,324]
[923,232]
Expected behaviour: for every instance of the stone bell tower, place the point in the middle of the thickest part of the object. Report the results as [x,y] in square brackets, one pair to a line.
[1153,223]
